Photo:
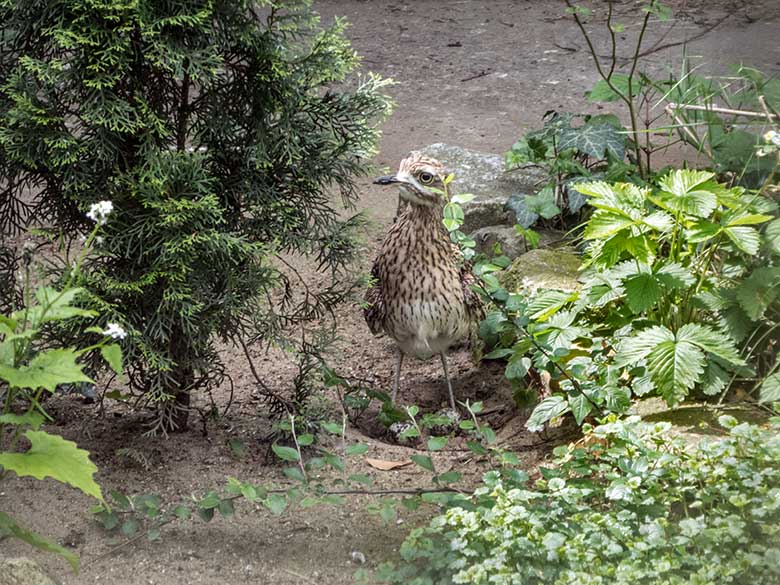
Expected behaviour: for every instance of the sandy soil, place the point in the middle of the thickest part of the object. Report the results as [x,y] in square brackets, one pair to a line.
[469,72]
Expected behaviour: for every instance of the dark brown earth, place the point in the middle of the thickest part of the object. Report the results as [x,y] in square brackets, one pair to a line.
[472,73]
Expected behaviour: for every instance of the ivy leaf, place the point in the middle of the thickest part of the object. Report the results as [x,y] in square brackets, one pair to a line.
[543,204]
[52,456]
[47,370]
[596,140]
[546,410]
[9,526]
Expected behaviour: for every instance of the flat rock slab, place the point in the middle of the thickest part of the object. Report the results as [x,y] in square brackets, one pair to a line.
[23,571]
[482,174]
[544,269]
[512,244]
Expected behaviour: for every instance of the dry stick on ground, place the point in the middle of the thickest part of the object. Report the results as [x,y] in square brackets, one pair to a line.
[717,110]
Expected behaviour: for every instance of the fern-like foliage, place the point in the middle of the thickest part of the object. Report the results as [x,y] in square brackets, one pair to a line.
[216,131]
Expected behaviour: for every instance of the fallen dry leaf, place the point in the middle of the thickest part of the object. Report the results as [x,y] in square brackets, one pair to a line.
[385,465]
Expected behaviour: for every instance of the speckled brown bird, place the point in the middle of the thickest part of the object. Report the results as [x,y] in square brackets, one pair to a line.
[420,294]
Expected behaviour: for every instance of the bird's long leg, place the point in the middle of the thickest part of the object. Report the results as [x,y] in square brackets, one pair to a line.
[397,380]
[449,384]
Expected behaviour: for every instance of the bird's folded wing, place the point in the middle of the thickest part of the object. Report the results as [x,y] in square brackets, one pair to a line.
[374,308]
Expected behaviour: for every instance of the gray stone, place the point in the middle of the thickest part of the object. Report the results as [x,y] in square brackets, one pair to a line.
[482,174]
[544,269]
[512,244]
[23,571]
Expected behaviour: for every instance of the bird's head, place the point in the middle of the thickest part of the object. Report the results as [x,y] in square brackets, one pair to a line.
[421,179]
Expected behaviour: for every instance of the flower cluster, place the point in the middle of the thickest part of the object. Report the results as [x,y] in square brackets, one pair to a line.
[99,212]
[630,503]
[116,331]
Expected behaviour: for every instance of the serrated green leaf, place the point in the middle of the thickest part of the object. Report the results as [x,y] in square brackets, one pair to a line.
[770,388]
[675,276]
[47,370]
[32,419]
[52,456]
[642,292]
[772,236]
[153,534]
[714,380]
[638,347]
[711,341]
[758,291]
[675,367]
[604,224]
[476,447]
[9,526]
[745,238]
[182,512]
[285,453]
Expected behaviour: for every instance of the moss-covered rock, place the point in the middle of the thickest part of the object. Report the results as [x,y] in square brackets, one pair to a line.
[544,269]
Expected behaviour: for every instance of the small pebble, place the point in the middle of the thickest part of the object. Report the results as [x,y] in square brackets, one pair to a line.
[358,557]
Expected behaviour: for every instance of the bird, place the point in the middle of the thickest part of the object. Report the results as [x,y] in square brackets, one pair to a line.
[420,293]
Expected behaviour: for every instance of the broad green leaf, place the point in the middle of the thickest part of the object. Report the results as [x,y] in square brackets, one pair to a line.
[617,398]
[523,214]
[358,449]
[305,439]
[770,388]
[747,219]
[602,92]
[332,428]
[112,353]
[547,302]
[32,419]
[285,453]
[449,477]
[437,443]
[642,292]
[546,410]
[52,456]
[48,369]
[276,503]
[715,379]
[423,461]
[659,221]
[54,305]
[9,526]
[703,231]
[580,407]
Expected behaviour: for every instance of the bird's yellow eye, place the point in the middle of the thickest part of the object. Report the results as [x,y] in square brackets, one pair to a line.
[426,178]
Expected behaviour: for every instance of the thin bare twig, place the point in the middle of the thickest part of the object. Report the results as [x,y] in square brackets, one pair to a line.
[718,110]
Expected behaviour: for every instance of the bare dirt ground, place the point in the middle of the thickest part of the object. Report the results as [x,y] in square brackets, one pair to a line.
[473,73]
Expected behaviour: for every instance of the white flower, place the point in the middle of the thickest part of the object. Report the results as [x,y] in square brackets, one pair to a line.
[773,137]
[114,330]
[98,212]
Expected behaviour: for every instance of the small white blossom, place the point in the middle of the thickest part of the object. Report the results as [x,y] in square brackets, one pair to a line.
[114,330]
[773,137]
[98,212]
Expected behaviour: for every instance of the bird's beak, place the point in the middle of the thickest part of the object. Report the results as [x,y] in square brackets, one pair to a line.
[387,180]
